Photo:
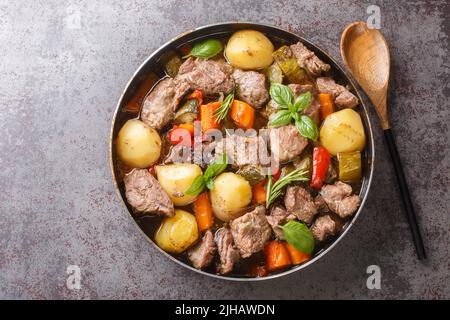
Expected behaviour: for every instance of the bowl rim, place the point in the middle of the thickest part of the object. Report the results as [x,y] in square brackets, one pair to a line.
[368,128]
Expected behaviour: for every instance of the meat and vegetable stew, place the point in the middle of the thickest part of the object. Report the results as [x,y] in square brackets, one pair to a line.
[246,157]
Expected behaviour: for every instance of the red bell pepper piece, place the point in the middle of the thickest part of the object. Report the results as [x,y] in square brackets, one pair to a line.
[276,174]
[182,134]
[321,162]
[186,49]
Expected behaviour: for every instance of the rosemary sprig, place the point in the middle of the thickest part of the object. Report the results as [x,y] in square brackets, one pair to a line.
[222,111]
[275,190]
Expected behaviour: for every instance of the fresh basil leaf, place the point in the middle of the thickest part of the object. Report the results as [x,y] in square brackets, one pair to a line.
[197,186]
[210,184]
[299,235]
[281,94]
[303,101]
[307,128]
[281,118]
[216,167]
[206,49]
[291,108]
[206,180]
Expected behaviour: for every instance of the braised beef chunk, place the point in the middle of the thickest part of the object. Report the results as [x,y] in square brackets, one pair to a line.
[308,60]
[251,231]
[320,204]
[324,227]
[298,89]
[343,98]
[279,216]
[313,111]
[251,87]
[339,199]
[241,150]
[286,142]
[227,253]
[299,202]
[202,254]
[160,106]
[145,195]
[211,76]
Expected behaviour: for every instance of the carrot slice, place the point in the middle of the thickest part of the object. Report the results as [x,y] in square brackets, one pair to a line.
[242,114]
[203,212]
[188,126]
[297,257]
[259,192]
[277,256]
[207,117]
[326,104]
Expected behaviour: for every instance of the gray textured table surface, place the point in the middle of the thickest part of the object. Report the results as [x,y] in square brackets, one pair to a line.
[63,66]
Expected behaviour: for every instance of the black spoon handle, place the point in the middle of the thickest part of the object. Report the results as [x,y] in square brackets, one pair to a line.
[410,214]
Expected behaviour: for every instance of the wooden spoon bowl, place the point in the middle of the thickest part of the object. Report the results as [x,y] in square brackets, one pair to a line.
[366,53]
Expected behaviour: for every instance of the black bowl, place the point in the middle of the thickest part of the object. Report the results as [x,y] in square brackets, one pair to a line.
[153,67]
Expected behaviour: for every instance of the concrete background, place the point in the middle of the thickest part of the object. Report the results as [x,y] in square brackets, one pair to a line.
[63,65]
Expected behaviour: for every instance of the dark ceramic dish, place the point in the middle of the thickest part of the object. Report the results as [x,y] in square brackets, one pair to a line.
[153,68]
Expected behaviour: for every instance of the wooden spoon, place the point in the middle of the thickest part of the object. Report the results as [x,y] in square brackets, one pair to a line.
[366,53]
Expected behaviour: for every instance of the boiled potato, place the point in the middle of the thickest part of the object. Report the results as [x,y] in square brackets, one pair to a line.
[177,233]
[231,194]
[343,131]
[138,145]
[176,179]
[249,49]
